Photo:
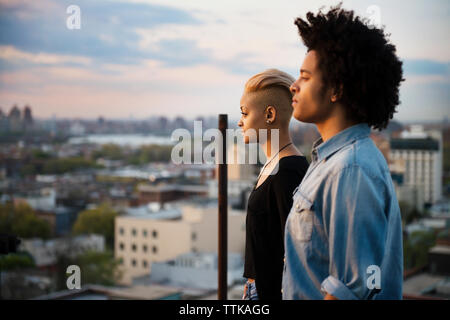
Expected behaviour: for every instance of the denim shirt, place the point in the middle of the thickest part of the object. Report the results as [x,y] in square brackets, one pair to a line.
[343,235]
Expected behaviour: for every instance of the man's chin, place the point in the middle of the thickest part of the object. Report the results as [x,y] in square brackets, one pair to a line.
[302,118]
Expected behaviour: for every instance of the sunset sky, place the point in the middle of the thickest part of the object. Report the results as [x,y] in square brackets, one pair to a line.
[192,58]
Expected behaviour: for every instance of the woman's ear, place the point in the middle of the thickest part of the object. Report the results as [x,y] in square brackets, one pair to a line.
[270,114]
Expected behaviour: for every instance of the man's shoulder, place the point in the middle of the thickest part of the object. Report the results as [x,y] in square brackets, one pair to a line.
[362,155]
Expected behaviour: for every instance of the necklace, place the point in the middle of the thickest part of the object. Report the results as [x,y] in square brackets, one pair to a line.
[260,173]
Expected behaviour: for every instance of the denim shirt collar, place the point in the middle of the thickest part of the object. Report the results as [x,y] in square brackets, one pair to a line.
[322,150]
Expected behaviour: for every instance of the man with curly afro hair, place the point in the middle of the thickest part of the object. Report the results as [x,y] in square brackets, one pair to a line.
[343,236]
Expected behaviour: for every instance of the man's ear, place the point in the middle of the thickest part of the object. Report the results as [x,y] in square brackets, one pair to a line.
[336,94]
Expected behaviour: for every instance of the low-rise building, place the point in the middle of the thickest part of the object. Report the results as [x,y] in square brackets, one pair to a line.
[99,292]
[197,270]
[143,237]
[45,252]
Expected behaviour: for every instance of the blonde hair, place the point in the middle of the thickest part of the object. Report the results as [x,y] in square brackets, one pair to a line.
[268,79]
[272,88]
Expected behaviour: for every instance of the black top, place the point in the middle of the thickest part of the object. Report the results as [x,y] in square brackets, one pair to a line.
[267,211]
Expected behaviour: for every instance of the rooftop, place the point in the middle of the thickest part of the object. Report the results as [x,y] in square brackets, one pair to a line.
[427,144]
[427,285]
[99,292]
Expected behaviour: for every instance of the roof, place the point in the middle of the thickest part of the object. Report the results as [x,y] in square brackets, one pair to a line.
[145,213]
[172,187]
[440,249]
[99,292]
[415,144]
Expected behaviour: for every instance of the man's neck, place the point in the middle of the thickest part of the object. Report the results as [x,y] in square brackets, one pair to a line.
[334,124]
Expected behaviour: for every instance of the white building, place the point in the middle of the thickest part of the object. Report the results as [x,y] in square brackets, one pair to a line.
[422,154]
[77,129]
[196,270]
[44,200]
[45,252]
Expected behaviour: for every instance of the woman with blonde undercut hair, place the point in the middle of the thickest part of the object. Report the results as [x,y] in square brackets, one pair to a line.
[266,104]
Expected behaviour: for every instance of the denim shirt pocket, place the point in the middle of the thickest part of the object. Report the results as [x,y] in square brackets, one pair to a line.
[302,218]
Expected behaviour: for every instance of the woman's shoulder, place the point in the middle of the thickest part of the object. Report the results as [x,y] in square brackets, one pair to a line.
[293,162]
[290,168]
[290,173]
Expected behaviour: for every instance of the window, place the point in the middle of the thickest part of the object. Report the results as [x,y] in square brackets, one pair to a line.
[121,231]
[144,233]
[144,248]
[155,234]
[133,262]
[154,249]
[133,232]
[120,260]
[144,263]
[122,246]
[194,236]
[133,247]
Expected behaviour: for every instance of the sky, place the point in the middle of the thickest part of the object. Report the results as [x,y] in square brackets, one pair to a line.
[192,57]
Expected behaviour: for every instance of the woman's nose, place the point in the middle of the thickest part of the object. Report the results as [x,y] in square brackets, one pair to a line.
[294,88]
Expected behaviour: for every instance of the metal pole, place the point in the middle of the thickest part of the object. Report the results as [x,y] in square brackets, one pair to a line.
[223,207]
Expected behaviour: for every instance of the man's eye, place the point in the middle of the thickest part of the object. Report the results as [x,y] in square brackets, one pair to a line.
[304,78]
[243,113]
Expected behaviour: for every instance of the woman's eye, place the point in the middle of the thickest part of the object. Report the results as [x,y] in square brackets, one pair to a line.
[243,113]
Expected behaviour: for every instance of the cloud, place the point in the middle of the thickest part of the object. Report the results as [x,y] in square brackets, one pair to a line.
[426,67]
[13,55]
[424,101]
[107,31]
[154,56]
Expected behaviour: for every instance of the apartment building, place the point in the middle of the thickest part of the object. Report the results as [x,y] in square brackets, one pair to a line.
[421,155]
[145,237]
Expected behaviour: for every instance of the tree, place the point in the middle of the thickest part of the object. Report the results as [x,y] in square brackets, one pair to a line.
[63,165]
[14,261]
[416,247]
[409,213]
[109,151]
[22,221]
[151,153]
[95,268]
[99,268]
[99,221]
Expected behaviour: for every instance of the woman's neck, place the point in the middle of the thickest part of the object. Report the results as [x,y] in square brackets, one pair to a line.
[283,139]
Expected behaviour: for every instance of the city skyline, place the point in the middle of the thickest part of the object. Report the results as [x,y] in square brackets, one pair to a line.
[146,58]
